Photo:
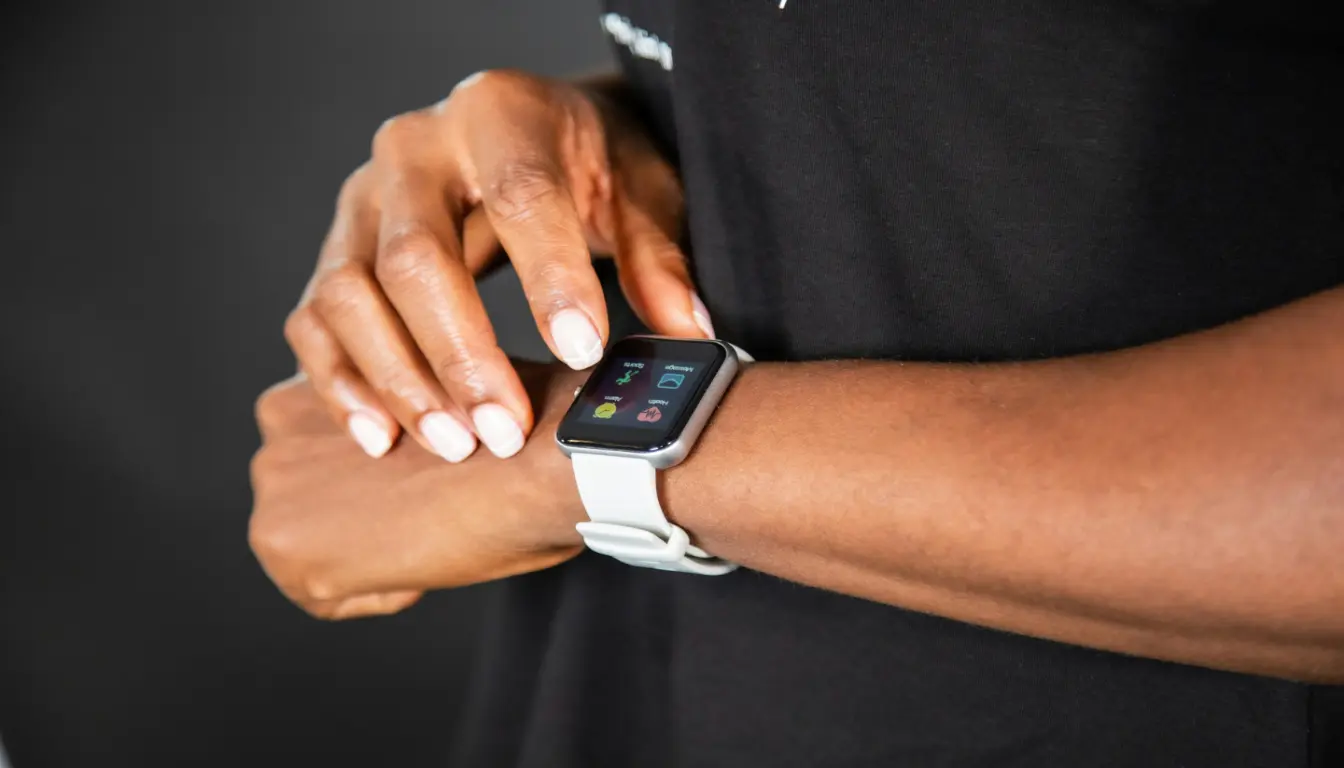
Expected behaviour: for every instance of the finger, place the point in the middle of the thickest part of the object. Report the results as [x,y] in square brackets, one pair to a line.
[529,204]
[352,305]
[347,258]
[420,269]
[347,396]
[654,277]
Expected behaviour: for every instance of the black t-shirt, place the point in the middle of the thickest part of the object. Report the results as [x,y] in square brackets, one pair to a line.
[939,181]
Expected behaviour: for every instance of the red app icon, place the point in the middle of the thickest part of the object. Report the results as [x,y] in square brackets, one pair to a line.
[650,414]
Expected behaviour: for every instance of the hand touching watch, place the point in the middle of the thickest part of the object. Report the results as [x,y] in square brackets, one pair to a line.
[391,330]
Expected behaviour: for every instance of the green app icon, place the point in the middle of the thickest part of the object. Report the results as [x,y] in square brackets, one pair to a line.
[626,378]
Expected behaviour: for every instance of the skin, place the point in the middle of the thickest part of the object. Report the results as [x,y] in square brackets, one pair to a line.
[344,535]
[1182,500]
[391,329]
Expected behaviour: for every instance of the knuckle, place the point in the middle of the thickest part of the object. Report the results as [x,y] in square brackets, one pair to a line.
[396,133]
[407,255]
[554,274]
[272,539]
[550,282]
[352,190]
[281,405]
[667,257]
[401,387]
[461,369]
[267,412]
[279,545]
[317,587]
[386,137]
[259,473]
[272,412]
[522,186]
[502,78]
[343,289]
[489,82]
[301,324]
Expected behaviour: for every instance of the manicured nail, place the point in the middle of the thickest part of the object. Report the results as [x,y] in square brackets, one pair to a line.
[576,339]
[369,433]
[447,436]
[701,316]
[497,429]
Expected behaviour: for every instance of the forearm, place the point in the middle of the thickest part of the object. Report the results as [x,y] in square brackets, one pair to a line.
[1183,500]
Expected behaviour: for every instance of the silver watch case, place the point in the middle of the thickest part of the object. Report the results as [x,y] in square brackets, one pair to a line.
[678,450]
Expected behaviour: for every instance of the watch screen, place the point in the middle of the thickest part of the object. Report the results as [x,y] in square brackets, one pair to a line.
[642,393]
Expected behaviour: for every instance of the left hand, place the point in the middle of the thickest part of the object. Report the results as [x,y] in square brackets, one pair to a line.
[392,330]
[343,536]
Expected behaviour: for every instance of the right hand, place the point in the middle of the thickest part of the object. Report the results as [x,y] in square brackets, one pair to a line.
[391,330]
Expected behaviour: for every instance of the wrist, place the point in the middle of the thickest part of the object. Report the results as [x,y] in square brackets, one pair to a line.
[673,388]
[750,414]
[549,478]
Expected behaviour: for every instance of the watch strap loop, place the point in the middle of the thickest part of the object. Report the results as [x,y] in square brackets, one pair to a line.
[621,496]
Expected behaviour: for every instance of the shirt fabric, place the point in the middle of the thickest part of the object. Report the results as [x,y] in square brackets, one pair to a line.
[955,182]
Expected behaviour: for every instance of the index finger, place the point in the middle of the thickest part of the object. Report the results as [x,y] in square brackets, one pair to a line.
[526,196]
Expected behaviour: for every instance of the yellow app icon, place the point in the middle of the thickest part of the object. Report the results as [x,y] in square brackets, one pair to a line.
[605,411]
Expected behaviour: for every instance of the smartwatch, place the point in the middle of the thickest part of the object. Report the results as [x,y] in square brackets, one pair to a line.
[640,411]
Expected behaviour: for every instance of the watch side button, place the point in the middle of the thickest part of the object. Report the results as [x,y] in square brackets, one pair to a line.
[577,390]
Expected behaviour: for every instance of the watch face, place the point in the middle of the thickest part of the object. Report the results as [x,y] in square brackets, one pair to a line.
[641,395]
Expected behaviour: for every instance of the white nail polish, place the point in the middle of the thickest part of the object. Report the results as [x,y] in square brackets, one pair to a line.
[369,433]
[576,339]
[447,436]
[497,429]
[701,316]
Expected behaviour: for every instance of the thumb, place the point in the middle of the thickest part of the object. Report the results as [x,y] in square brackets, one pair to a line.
[654,277]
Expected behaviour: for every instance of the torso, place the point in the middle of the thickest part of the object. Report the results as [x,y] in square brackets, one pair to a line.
[939,181]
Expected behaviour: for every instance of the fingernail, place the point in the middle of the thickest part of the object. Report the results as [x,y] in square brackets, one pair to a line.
[701,316]
[447,436]
[576,339]
[497,429]
[369,433]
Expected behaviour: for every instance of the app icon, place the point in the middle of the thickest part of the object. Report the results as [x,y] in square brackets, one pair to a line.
[626,378]
[671,380]
[650,414]
[605,411]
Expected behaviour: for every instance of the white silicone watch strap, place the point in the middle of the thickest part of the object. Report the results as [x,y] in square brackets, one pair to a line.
[621,496]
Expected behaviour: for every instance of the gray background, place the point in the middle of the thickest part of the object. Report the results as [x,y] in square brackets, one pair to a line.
[168,170]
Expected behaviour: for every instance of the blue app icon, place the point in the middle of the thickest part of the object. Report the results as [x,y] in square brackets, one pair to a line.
[671,380]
